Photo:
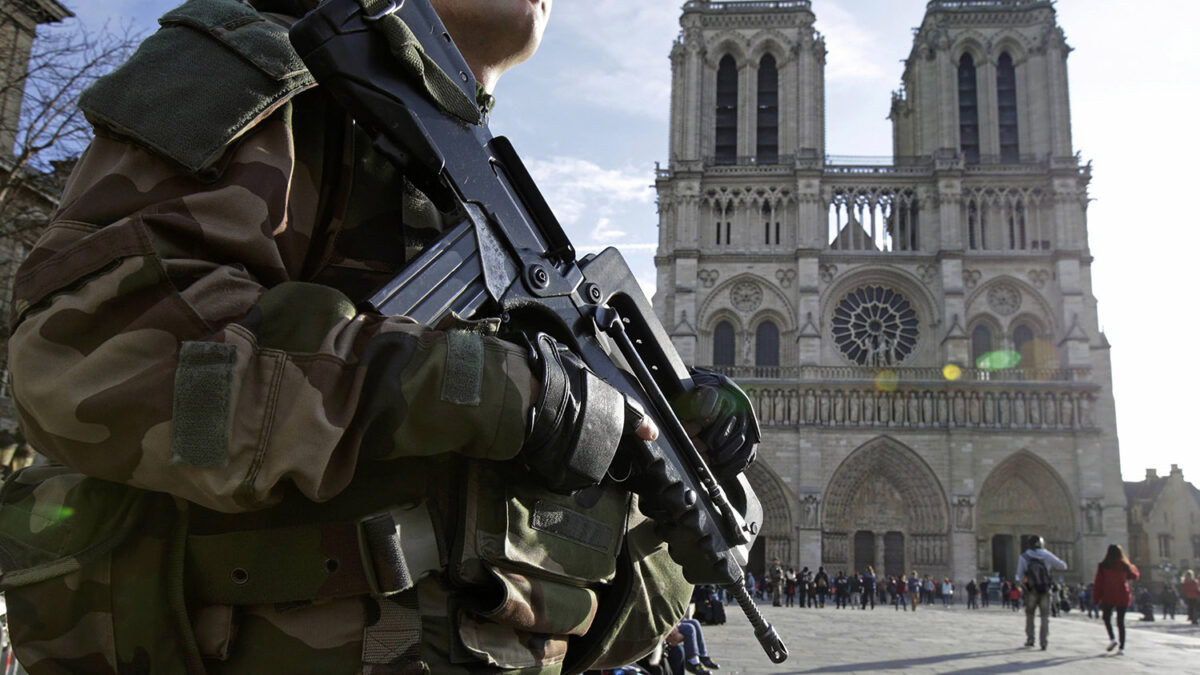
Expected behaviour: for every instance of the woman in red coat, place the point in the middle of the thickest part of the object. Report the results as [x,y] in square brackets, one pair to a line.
[1191,595]
[1112,591]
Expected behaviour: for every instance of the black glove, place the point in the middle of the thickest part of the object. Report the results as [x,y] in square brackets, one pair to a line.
[729,433]
[578,420]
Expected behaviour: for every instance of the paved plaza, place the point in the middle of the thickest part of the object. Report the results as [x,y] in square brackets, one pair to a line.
[938,640]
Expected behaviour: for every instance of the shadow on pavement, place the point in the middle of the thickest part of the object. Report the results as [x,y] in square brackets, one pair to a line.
[897,664]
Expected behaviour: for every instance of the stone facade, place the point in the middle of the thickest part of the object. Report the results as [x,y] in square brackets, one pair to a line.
[1164,525]
[918,333]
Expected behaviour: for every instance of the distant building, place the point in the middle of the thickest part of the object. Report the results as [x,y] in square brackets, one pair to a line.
[26,209]
[1164,525]
[918,332]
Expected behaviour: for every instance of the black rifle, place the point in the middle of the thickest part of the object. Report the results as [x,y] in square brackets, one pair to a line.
[511,258]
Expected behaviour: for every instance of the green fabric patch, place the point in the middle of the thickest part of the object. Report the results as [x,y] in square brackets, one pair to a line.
[463,381]
[213,70]
[570,525]
[297,316]
[200,421]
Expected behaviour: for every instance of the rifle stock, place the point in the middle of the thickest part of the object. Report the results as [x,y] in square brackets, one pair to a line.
[510,257]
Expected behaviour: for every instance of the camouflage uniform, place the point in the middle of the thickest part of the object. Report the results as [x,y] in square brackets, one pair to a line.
[247,450]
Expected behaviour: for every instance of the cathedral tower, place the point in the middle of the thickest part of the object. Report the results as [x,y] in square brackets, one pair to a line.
[919,333]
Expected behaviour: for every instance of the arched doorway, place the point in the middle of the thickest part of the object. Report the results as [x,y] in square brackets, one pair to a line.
[1024,495]
[777,537]
[888,500]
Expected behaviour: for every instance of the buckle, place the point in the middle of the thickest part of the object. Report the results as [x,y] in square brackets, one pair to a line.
[397,548]
[393,7]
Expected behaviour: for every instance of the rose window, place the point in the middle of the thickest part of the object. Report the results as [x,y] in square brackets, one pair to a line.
[875,326]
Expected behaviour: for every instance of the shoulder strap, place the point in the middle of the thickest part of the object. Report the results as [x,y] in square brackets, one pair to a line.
[213,70]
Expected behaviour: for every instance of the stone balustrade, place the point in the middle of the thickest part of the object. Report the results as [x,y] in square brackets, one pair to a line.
[1013,407]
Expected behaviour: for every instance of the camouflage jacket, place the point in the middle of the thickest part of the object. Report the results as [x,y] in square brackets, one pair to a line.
[189,328]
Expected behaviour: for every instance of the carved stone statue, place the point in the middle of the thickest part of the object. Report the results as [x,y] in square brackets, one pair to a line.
[811,506]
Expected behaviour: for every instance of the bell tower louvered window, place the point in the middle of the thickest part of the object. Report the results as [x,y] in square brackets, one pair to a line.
[768,111]
[1006,101]
[727,122]
[968,110]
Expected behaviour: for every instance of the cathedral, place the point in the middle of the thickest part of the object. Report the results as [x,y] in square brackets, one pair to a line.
[918,334]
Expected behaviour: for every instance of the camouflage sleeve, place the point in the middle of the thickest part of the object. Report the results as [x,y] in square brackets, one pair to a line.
[163,337]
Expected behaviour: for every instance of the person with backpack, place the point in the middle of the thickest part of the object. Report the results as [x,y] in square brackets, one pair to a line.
[1034,570]
[1112,591]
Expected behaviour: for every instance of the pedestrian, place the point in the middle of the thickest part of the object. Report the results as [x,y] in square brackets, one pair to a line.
[1005,587]
[690,636]
[983,592]
[1033,569]
[1169,598]
[1191,595]
[841,589]
[856,584]
[776,579]
[1014,598]
[803,581]
[947,593]
[972,592]
[1113,575]
[789,587]
[821,581]
[927,589]
[1092,611]
[899,589]
[914,589]
[869,581]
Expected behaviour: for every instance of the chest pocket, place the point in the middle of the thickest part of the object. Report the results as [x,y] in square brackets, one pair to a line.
[213,70]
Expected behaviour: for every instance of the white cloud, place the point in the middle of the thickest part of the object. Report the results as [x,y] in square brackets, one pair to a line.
[574,186]
[604,231]
[854,53]
[620,59]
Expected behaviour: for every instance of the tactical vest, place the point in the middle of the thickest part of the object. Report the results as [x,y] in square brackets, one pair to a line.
[448,564]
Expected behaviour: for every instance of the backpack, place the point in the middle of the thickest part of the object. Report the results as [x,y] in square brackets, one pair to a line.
[1036,575]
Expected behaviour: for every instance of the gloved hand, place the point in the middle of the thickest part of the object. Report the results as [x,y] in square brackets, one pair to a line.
[719,417]
[578,420]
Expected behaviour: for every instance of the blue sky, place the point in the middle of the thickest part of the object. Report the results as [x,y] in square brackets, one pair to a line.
[589,115]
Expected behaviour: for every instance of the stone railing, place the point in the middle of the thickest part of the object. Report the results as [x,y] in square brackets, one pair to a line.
[981,4]
[902,375]
[742,7]
[1046,406]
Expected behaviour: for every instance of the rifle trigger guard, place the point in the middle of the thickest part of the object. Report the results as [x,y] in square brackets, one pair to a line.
[392,8]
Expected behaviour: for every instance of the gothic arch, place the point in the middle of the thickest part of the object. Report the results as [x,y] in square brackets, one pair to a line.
[1024,495]
[778,519]
[883,486]
[773,300]
[769,41]
[1043,315]
[970,43]
[1010,42]
[726,42]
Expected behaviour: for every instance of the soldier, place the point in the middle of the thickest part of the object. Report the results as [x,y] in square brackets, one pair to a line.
[262,477]
[776,576]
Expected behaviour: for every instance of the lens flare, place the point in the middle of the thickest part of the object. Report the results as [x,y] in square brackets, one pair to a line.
[998,360]
[887,380]
[951,372]
[54,514]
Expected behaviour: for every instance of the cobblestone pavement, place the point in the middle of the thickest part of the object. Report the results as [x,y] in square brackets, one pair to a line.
[935,639]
